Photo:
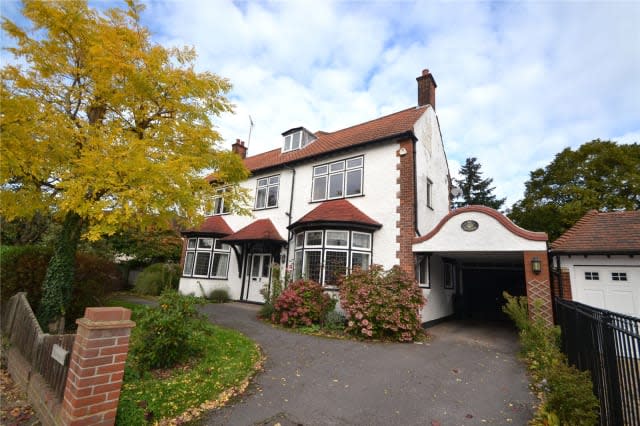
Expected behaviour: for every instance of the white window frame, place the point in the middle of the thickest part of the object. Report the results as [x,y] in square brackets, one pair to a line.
[618,276]
[219,207]
[266,187]
[198,246]
[423,281]
[336,168]
[323,248]
[430,193]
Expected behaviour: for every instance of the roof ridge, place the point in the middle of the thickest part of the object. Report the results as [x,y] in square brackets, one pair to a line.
[378,118]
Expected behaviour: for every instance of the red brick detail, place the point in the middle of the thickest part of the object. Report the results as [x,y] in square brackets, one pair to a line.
[566,284]
[97,367]
[406,206]
[538,287]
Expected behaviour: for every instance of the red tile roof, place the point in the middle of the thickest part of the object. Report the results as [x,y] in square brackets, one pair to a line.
[381,128]
[261,229]
[338,211]
[212,225]
[597,232]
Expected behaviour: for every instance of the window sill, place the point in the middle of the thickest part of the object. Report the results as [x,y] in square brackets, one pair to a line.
[333,199]
[425,287]
[264,208]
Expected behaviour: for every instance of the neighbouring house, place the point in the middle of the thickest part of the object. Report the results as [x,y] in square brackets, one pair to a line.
[374,193]
[598,261]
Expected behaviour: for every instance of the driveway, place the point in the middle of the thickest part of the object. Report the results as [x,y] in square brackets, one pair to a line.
[463,376]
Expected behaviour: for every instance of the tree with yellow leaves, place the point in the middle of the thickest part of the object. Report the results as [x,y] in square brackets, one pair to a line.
[105,129]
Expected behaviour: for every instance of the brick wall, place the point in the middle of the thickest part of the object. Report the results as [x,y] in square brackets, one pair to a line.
[406,206]
[97,365]
[538,287]
[566,284]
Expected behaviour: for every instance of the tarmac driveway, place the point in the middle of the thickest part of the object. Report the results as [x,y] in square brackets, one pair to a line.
[463,376]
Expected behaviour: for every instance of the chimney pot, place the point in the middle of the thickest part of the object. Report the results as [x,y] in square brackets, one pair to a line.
[239,149]
[426,89]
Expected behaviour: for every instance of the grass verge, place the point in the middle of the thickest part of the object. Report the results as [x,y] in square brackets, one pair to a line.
[228,362]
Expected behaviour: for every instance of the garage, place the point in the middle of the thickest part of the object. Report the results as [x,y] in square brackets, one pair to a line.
[614,288]
[597,262]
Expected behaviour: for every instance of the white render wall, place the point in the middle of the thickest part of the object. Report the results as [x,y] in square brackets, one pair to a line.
[439,300]
[379,202]
[431,163]
[491,236]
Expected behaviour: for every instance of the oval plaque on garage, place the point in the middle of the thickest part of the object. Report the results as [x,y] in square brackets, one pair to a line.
[469,225]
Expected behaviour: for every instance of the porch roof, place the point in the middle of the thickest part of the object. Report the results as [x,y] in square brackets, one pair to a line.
[213,225]
[336,212]
[260,230]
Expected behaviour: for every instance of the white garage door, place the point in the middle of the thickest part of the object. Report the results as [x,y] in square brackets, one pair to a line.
[614,288]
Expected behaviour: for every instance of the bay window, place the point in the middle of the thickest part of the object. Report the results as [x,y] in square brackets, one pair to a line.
[326,255]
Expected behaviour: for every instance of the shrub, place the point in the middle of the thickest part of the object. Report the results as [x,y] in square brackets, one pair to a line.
[382,305]
[156,278]
[219,295]
[567,393]
[302,303]
[23,269]
[164,335]
[335,320]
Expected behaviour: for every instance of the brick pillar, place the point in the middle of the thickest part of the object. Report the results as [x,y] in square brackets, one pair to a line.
[406,224]
[96,368]
[538,287]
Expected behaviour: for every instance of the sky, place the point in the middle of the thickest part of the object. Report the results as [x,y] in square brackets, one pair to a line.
[517,81]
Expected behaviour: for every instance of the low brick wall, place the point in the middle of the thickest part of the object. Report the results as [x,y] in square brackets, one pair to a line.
[40,395]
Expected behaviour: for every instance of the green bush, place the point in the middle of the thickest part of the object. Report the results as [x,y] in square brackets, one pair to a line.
[335,320]
[219,295]
[22,268]
[167,334]
[382,305]
[567,393]
[156,278]
[302,303]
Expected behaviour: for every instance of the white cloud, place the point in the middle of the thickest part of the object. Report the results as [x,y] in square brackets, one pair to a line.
[517,82]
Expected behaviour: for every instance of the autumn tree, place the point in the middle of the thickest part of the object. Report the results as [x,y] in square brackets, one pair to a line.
[474,189]
[601,175]
[105,129]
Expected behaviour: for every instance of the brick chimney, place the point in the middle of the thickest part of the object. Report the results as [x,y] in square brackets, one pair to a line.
[426,89]
[239,149]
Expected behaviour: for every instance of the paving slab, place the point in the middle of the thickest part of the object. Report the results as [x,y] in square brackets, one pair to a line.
[462,376]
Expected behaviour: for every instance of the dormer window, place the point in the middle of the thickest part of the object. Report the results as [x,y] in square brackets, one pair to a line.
[297,138]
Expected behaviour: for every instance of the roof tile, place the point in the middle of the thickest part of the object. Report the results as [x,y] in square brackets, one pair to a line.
[602,232]
[212,225]
[336,211]
[380,128]
[261,229]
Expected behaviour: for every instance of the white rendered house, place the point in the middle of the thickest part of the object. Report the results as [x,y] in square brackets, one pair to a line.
[374,193]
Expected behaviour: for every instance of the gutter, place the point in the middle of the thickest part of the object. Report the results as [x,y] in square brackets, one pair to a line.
[289,233]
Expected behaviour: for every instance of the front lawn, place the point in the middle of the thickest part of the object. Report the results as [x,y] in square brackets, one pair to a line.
[227,362]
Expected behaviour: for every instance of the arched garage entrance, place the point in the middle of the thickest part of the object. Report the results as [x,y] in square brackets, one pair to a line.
[475,253]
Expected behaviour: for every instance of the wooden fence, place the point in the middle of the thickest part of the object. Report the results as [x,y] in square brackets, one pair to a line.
[23,331]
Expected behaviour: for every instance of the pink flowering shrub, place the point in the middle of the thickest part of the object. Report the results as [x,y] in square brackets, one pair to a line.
[382,305]
[302,303]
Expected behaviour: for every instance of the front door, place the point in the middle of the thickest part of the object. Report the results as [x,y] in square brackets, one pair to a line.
[259,275]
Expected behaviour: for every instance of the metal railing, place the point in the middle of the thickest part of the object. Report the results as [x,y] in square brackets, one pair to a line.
[608,345]
[23,331]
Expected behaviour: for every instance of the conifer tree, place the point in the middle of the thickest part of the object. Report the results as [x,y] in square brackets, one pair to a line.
[474,189]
